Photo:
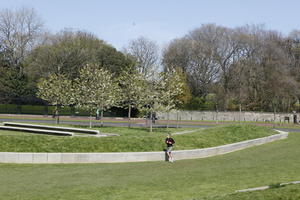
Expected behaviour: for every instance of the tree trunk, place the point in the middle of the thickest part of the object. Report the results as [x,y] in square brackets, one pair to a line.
[102,118]
[146,121]
[57,118]
[240,112]
[151,122]
[168,120]
[90,120]
[57,115]
[129,115]
[274,116]
[217,113]
[177,118]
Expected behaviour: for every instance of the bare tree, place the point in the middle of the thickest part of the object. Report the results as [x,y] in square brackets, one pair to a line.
[195,59]
[261,78]
[240,64]
[206,55]
[19,30]
[146,53]
[224,52]
[293,49]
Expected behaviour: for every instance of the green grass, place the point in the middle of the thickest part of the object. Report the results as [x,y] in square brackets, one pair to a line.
[134,139]
[213,178]
[289,192]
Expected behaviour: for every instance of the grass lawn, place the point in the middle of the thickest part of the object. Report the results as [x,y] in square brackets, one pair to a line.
[130,140]
[211,178]
[289,192]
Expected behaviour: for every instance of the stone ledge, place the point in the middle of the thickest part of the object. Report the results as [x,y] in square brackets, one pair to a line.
[10,157]
[266,187]
[39,131]
[56,128]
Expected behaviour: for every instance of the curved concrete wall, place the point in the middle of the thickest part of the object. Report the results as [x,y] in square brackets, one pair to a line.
[12,157]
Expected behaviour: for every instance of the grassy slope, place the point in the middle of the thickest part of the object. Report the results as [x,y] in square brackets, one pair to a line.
[289,192]
[188,179]
[135,139]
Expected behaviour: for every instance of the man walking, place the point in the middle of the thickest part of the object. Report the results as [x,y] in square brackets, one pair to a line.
[169,141]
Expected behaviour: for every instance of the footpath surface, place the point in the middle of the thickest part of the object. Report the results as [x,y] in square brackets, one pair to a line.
[109,121]
[135,122]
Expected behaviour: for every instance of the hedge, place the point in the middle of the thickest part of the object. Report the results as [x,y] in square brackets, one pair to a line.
[48,110]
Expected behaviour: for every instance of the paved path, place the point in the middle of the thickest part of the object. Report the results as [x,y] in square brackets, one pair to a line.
[266,187]
[121,122]
[184,132]
[106,122]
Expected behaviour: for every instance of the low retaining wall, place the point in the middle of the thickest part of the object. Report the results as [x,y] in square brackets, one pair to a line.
[38,131]
[54,128]
[228,116]
[12,157]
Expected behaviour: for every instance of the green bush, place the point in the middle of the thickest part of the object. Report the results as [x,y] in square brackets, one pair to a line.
[9,108]
[200,103]
[37,110]
[40,110]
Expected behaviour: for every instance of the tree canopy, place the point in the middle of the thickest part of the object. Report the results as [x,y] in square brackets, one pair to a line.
[248,67]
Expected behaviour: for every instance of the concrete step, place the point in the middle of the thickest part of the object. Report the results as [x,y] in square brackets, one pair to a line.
[39,131]
[56,128]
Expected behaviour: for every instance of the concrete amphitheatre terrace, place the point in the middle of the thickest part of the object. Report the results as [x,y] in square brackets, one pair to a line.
[44,129]
[52,130]
[117,157]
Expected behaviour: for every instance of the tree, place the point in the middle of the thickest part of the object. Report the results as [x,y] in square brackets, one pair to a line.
[275,64]
[254,78]
[19,32]
[186,95]
[292,47]
[237,65]
[170,88]
[195,54]
[151,101]
[162,94]
[146,54]
[68,52]
[96,89]
[132,85]
[57,90]
[221,45]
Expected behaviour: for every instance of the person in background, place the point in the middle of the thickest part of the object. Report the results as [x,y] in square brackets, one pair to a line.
[170,141]
[97,114]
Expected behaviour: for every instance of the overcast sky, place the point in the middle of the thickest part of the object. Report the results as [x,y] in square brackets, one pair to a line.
[118,21]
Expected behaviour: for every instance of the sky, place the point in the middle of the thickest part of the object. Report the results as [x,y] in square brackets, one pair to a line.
[119,21]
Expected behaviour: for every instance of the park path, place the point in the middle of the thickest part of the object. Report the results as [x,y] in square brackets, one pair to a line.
[267,187]
[135,122]
[184,132]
